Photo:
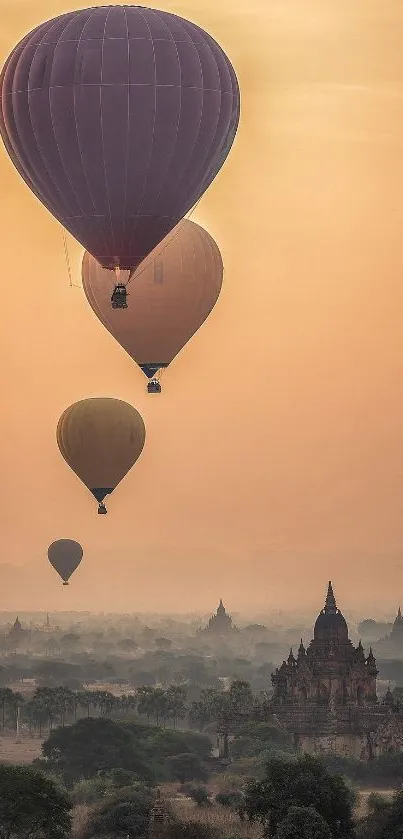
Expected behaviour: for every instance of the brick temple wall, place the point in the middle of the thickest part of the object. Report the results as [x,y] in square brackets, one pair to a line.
[358,732]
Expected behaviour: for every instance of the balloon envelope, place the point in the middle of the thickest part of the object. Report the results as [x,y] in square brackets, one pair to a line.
[118,118]
[170,295]
[65,556]
[100,439]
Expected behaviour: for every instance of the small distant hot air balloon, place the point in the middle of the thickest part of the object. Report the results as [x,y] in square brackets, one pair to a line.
[118,118]
[171,295]
[101,439]
[65,556]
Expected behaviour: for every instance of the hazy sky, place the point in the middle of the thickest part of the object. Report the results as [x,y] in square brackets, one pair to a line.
[274,456]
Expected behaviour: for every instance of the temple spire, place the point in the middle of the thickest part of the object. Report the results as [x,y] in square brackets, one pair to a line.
[221,608]
[301,650]
[330,603]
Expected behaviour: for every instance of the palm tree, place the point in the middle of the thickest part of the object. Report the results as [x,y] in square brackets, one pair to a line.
[16,702]
[46,705]
[176,696]
[107,702]
[160,705]
[38,713]
[64,701]
[145,701]
[6,696]
[85,699]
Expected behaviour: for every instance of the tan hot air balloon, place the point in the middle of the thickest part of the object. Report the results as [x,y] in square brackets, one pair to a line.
[65,556]
[101,439]
[171,295]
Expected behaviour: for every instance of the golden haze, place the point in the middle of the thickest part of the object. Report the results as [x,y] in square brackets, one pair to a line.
[274,457]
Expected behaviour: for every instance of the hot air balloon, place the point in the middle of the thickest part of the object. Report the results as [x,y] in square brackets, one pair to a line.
[65,556]
[171,294]
[101,439]
[118,118]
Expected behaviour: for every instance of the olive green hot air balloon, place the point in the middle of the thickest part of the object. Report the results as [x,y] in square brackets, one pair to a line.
[65,556]
[101,439]
[170,295]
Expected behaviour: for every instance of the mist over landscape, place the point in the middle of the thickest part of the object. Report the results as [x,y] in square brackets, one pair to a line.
[201,425]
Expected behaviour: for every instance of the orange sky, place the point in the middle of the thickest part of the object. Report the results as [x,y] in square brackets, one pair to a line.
[274,457]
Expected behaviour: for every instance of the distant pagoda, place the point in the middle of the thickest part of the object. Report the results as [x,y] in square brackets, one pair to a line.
[221,622]
[47,626]
[397,629]
[392,643]
[16,629]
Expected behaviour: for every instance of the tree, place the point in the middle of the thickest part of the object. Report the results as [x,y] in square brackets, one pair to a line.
[200,796]
[32,806]
[106,702]
[160,705]
[385,820]
[16,703]
[145,701]
[91,745]
[240,697]
[129,817]
[64,702]
[186,767]
[304,823]
[301,782]
[232,800]
[253,738]
[6,696]
[86,699]
[176,696]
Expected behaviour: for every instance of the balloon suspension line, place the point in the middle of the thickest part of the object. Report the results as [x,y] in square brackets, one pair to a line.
[138,273]
[117,270]
[68,266]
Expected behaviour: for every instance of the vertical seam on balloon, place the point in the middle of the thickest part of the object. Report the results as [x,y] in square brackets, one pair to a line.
[38,147]
[179,114]
[234,94]
[14,152]
[32,130]
[102,133]
[94,215]
[216,128]
[181,179]
[147,171]
[54,133]
[128,133]
[221,95]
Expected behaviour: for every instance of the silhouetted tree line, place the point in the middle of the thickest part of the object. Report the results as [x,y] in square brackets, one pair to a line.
[52,706]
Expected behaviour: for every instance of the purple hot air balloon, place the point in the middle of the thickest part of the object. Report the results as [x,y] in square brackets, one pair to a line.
[118,118]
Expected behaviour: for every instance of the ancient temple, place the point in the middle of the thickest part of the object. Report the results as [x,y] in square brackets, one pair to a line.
[16,630]
[390,645]
[221,622]
[396,636]
[325,696]
[157,817]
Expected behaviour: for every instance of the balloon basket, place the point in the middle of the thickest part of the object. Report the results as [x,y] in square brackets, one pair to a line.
[65,584]
[154,386]
[102,511]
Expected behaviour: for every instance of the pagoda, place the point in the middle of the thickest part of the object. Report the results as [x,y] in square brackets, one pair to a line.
[221,622]
[325,696]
